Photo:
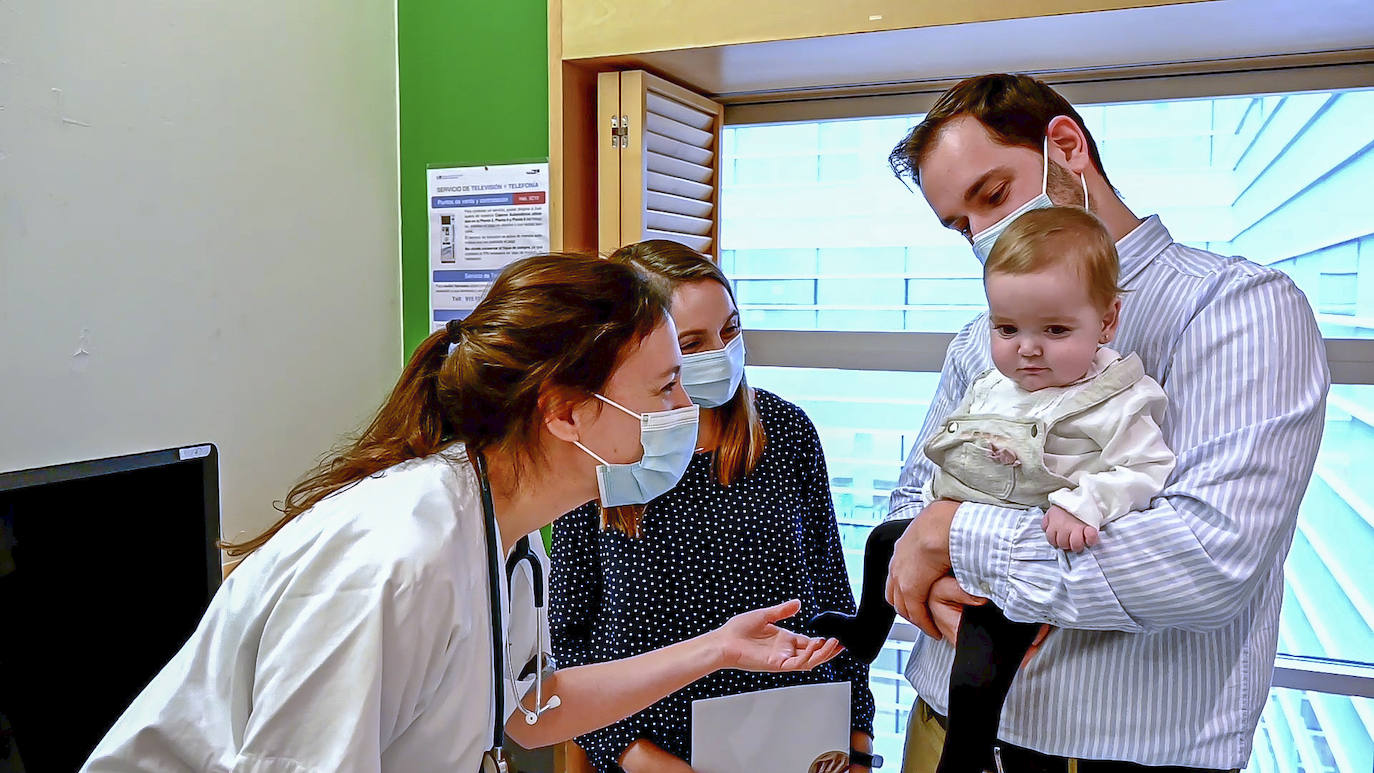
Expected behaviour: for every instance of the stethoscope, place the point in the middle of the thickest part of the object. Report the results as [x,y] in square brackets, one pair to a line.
[494,759]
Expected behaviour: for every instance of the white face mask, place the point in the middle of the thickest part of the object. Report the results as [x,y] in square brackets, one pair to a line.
[985,239]
[669,439]
[712,378]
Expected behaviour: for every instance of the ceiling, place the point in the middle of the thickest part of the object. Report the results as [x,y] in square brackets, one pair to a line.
[1189,32]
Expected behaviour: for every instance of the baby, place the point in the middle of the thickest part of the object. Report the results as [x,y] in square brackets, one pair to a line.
[1062,423]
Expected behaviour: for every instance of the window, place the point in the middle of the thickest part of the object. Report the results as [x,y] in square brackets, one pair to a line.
[867,421]
[1305,730]
[818,236]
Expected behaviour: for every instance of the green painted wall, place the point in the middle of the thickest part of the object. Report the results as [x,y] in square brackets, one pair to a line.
[474,87]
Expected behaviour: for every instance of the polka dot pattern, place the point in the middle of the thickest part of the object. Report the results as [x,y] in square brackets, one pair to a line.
[707,553]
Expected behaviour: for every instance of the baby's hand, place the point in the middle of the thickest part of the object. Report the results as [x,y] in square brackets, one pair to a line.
[1067,532]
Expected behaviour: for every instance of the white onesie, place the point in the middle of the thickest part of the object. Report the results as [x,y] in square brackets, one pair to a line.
[1093,447]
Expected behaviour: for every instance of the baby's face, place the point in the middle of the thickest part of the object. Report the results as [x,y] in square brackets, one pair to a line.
[1045,329]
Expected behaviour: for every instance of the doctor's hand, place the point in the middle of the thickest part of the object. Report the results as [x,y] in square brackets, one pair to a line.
[751,642]
[919,558]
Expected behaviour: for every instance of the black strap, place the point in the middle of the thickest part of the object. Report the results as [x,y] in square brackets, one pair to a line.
[865,759]
[498,651]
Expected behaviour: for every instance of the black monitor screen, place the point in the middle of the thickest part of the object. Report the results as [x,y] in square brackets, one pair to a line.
[105,569]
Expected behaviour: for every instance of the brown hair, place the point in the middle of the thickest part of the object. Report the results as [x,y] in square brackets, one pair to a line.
[1015,109]
[741,432]
[1046,237]
[562,321]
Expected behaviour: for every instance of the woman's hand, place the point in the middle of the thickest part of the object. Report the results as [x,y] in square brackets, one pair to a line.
[751,642]
[644,756]
[863,742]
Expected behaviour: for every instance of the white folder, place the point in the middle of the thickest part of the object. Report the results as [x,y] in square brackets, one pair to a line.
[802,729]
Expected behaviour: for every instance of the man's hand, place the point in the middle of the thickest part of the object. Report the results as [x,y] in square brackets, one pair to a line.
[1040,635]
[947,602]
[920,557]
[1066,532]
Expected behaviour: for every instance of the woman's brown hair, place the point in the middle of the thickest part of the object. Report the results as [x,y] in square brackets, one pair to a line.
[742,437]
[550,321]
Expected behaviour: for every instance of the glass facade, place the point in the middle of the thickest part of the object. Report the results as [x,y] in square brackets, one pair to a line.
[818,235]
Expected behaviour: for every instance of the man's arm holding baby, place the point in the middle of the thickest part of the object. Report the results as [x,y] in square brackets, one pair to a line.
[1131,471]
[1247,383]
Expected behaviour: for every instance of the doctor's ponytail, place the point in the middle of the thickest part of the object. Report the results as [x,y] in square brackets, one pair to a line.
[560,321]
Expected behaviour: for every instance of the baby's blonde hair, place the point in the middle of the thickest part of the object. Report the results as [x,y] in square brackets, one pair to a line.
[1045,237]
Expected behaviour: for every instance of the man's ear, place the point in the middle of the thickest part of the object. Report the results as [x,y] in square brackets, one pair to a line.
[1110,321]
[565,412]
[1065,134]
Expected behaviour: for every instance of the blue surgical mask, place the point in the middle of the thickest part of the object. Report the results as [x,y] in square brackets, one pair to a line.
[711,378]
[669,438]
[985,239]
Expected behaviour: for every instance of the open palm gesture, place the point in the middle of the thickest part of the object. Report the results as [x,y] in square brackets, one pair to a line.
[751,642]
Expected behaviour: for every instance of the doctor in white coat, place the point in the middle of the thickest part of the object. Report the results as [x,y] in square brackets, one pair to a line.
[358,634]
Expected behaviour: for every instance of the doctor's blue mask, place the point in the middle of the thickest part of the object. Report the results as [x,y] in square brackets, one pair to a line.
[711,378]
[669,439]
[986,238]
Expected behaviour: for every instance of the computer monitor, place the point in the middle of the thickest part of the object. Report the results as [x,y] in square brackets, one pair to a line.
[106,568]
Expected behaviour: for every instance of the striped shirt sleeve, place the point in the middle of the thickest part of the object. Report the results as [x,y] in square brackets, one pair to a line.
[1247,384]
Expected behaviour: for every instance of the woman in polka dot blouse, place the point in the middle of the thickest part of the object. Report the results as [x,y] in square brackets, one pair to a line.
[751,524]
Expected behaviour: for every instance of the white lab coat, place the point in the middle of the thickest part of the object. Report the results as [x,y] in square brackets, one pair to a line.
[356,639]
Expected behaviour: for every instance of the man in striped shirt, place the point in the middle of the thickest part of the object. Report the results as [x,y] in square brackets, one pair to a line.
[1167,628]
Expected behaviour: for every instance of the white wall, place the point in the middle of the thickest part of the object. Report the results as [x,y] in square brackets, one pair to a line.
[202,197]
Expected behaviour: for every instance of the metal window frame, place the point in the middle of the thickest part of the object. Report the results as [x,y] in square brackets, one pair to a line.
[1292,672]
[1351,360]
[1317,71]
